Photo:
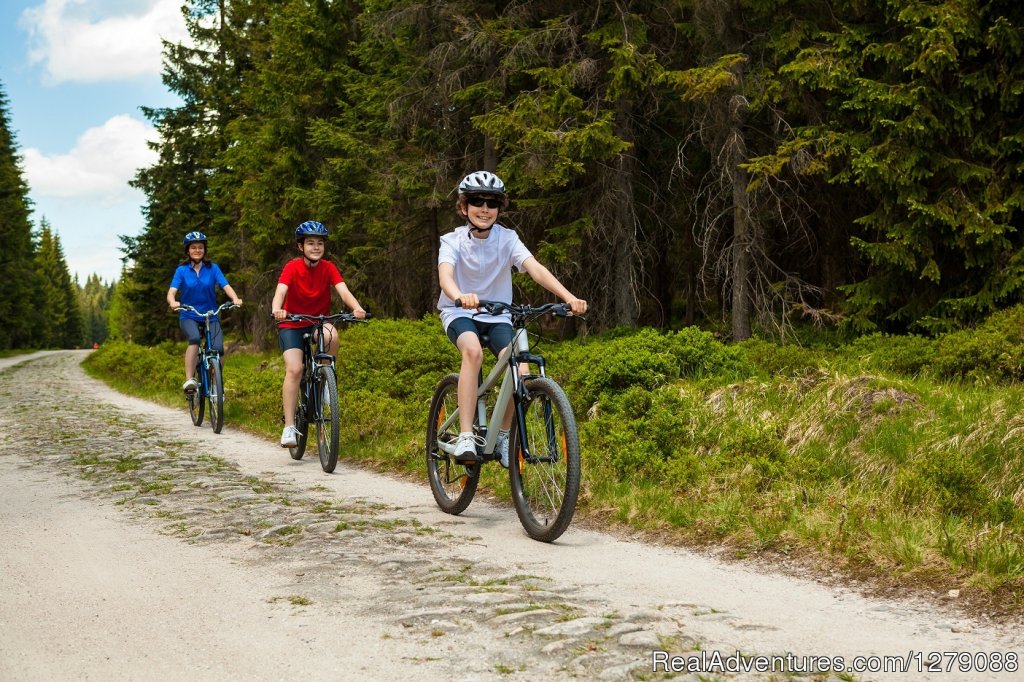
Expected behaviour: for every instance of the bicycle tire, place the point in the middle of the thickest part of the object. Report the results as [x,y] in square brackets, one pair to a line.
[328,421]
[216,395]
[301,425]
[452,484]
[196,401]
[546,486]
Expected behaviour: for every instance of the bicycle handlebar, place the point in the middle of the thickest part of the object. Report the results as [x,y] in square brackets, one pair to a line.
[228,305]
[525,311]
[334,317]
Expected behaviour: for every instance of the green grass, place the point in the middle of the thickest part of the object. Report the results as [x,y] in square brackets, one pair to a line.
[829,457]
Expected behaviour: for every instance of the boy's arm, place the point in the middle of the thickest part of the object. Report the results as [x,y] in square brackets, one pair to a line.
[446,278]
[348,299]
[275,305]
[542,276]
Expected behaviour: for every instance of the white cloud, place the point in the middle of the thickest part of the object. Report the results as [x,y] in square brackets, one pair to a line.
[99,166]
[101,40]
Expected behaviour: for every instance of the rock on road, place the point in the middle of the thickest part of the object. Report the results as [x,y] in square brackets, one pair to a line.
[137,546]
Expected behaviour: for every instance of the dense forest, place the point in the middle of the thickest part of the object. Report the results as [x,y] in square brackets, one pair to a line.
[43,306]
[749,163]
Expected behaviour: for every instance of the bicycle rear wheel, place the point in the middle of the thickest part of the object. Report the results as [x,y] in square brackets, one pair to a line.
[327,423]
[452,484]
[301,425]
[545,482]
[216,394]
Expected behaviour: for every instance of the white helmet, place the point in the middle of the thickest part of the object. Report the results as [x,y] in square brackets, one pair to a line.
[482,182]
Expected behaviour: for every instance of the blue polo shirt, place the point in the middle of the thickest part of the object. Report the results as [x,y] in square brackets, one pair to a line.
[198,289]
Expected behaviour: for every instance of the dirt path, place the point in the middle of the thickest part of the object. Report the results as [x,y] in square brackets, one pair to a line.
[136,546]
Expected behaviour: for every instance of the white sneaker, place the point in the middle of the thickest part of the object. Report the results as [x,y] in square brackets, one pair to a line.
[465,449]
[501,447]
[190,386]
[289,437]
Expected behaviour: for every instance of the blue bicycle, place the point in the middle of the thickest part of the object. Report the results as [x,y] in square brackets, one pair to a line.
[209,374]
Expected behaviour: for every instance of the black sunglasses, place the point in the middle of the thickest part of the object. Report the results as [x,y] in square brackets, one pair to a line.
[480,201]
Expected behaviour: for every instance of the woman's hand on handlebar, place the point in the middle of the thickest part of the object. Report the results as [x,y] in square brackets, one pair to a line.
[359,313]
[280,315]
[471,301]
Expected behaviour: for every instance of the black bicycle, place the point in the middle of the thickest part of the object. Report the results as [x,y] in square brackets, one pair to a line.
[544,448]
[209,373]
[318,391]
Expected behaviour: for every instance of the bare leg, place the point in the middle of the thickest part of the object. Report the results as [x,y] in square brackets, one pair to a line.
[290,387]
[191,353]
[468,344]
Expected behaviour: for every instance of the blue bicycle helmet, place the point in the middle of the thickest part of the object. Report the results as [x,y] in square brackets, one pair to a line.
[193,237]
[310,228]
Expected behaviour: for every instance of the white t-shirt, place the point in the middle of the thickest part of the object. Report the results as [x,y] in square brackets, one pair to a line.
[482,267]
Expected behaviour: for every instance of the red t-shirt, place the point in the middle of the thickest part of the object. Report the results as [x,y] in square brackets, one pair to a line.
[309,289]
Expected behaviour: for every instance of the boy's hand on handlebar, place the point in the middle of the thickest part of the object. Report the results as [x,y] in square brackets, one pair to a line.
[175,305]
[237,301]
[280,315]
[469,301]
[359,313]
[578,305]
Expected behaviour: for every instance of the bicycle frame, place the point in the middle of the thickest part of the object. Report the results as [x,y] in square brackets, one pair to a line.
[205,348]
[317,360]
[512,388]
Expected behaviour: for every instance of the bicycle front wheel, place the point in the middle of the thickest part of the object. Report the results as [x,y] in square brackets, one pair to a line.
[544,466]
[452,484]
[301,424]
[327,422]
[216,395]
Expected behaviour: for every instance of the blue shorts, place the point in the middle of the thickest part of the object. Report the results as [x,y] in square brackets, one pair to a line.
[293,338]
[193,331]
[499,334]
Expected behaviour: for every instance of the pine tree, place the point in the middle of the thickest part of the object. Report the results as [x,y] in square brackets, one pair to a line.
[16,256]
[94,301]
[60,319]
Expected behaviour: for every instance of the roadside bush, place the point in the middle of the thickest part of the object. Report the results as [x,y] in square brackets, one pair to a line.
[780,360]
[910,355]
[128,362]
[994,351]
[401,359]
[647,359]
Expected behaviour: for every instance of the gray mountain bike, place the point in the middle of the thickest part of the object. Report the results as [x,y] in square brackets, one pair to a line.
[544,449]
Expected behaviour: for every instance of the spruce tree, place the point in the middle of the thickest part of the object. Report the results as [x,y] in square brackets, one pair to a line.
[16,256]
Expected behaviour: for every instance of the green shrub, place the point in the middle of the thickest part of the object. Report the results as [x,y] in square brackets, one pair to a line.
[402,359]
[647,359]
[994,351]
[780,360]
[909,355]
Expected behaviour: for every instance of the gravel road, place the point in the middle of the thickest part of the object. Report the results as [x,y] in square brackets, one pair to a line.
[137,546]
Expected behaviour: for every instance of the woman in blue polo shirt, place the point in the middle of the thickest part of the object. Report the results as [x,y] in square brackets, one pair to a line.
[197,279]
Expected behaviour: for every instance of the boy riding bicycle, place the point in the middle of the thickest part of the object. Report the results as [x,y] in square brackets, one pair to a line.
[304,288]
[475,262]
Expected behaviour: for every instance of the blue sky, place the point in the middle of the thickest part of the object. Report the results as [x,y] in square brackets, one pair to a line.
[76,73]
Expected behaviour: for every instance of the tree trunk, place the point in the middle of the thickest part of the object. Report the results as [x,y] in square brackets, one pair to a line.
[624,255]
